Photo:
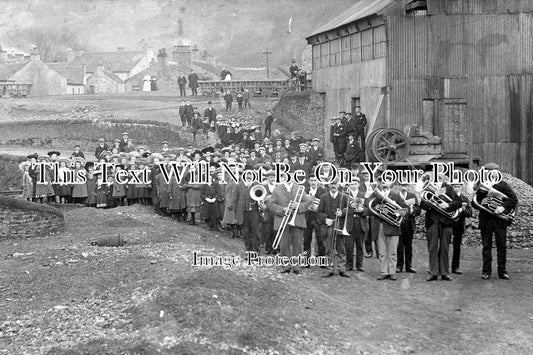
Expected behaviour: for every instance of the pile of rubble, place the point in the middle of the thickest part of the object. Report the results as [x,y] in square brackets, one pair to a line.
[91,112]
[519,234]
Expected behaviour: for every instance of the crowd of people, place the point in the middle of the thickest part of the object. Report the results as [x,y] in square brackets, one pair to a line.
[339,218]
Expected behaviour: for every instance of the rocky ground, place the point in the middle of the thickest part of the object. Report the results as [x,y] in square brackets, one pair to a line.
[60,295]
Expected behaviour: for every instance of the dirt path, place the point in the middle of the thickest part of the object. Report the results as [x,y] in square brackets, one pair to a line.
[59,295]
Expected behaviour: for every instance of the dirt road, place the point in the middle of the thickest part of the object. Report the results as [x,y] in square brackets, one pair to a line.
[59,295]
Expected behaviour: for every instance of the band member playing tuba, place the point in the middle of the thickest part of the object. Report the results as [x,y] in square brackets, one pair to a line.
[491,223]
[439,229]
[388,234]
[329,214]
[283,201]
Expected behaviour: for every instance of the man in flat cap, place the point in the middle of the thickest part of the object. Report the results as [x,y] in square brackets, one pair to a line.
[123,142]
[338,138]
[492,223]
[101,147]
[353,150]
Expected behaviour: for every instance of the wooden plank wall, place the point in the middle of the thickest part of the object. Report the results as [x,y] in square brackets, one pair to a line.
[484,60]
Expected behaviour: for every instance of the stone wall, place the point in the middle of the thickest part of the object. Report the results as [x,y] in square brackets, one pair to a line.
[10,174]
[64,134]
[304,112]
[22,219]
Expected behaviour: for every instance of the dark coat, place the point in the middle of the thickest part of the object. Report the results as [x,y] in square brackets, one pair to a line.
[189,111]
[310,216]
[360,121]
[182,80]
[211,114]
[389,229]
[409,221]
[433,216]
[353,151]
[239,196]
[466,212]
[508,205]
[193,80]
[99,150]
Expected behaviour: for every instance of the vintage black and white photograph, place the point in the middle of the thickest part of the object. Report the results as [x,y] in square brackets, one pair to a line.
[270,177]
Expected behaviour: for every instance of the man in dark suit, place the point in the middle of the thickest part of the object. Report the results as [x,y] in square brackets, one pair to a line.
[360,124]
[123,142]
[330,210]
[353,151]
[338,138]
[366,189]
[101,147]
[193,83]
[490,224]
[459,228]
[314,151]
[357,226]
[439,230]
[189,111]
[407,228]
[182,80]
[314,192]
[302,164]
[210,113]
[283,201]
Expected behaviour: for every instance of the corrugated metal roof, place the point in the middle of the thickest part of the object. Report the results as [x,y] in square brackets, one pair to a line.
[362,9]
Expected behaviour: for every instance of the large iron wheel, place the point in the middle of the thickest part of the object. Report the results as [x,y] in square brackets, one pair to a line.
[388,145]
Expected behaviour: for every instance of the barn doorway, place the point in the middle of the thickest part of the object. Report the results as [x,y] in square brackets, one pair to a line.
[454,130]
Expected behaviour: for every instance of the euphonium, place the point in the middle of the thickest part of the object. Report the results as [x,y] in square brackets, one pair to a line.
[493,200]
[387,210]
[429,195]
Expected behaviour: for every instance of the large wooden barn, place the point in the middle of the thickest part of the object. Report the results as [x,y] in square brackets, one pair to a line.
[461,69]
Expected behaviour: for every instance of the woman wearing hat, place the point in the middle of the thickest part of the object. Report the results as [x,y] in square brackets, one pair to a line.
[177,198]
[32,171]
[27,184]
[79,191]
[102,190]
[44,190]
[64,189]
[91,185]
[193,197]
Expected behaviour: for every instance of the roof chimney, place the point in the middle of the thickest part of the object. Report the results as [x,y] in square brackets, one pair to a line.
[35,56]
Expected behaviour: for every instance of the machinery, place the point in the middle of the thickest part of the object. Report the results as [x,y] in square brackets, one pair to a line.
[390,145]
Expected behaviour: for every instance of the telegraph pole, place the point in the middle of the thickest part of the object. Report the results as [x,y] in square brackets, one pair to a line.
[267,52]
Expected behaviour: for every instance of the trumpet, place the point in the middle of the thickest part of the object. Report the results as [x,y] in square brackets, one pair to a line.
[387,210]
[493,200]
[290,216]
[429,195]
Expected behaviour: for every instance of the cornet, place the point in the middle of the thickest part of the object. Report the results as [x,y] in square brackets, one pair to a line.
[493,200]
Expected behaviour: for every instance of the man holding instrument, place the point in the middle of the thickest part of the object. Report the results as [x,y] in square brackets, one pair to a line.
[329,214]
[284,201]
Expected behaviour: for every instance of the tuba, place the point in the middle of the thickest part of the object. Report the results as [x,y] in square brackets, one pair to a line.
[258,193]
[493,200]
[387,210]
[429,195]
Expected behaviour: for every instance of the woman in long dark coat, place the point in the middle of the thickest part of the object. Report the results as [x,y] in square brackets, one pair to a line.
[177,204]
[210,193]
[237,201]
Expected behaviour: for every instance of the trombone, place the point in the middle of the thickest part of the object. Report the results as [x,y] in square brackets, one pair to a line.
[290,216]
